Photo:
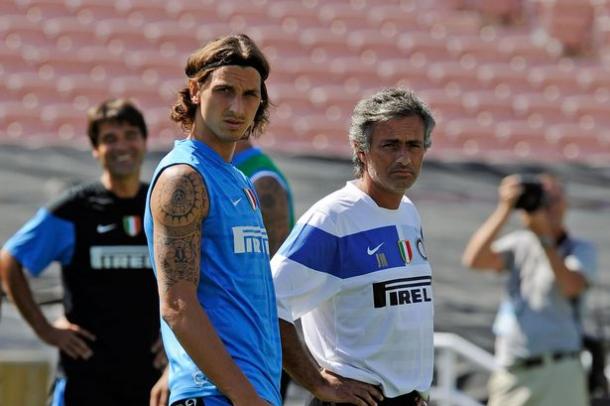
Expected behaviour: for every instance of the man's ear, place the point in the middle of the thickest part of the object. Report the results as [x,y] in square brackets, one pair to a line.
[360,155]
[194,91]
[94,153]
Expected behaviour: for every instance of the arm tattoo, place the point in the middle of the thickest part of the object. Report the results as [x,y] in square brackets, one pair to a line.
[179,205]
[275,210]
[181,199]
[178,258]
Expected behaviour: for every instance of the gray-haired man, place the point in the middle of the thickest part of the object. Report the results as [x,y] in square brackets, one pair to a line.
[355,270]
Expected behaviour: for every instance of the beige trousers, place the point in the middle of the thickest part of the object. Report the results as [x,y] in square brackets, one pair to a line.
[554,383]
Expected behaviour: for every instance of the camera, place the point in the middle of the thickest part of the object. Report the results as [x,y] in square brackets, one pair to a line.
[532,197]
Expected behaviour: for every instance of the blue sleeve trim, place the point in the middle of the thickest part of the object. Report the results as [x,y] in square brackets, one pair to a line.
[344,257]
[43,239]
[313,248]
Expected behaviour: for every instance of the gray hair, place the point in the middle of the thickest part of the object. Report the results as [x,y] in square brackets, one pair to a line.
[385,105]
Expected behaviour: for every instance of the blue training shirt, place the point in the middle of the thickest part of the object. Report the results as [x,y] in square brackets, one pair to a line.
[235,285]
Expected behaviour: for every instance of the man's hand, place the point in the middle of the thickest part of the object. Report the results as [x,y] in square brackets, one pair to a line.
[159,394]
[344,390]
[160,360]
[509,191]
[69,338]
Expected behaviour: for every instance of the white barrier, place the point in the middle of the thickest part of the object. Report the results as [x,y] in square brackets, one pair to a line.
[448,347]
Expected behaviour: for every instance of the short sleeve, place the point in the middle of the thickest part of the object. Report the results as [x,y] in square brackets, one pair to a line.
[505,247]
[583,258]
[303,269]
[43,239]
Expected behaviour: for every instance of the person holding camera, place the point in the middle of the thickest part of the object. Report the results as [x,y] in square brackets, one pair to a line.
[538,334]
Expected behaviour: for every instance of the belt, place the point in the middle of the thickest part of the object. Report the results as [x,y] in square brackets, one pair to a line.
[409,399]
[533,362]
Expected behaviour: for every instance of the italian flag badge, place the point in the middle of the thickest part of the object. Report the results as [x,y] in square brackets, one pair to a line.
[406,252]
[132,225]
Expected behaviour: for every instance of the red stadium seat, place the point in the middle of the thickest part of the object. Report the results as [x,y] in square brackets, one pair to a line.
[69,34]
[408,72]
[19,31]
[170,35]
[424,43]
[352,15]
[121,37]
[91,12]
[457,73]
[444,105]
[493,74]
[487,102]
[39,10]
[399,16]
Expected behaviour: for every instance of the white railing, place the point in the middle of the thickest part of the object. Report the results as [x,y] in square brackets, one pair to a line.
[448,347]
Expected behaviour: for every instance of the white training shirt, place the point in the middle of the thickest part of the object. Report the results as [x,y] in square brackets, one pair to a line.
[358,277]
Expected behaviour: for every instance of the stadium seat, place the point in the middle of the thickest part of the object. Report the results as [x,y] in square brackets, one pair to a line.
[444,104]
[40,10]
[411,73]
[83,85]
[523,45]
[594,77]
[487,102]
[493,74]
[89,13]
[19,31]
[277,41]
[480,49]
[135,89]
[69,34]
[422,42]
[327,42]
[526,104]
[172,35]
[352,15]
[578,106]
[121,37]
[400,16]
[296,14]
[457,73]
[16,111]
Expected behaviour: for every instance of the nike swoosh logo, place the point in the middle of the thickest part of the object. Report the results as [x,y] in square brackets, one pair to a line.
[236,202]
[374,250]
[104,229]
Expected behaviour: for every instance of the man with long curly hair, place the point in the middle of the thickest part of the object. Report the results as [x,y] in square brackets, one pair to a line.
[207,238]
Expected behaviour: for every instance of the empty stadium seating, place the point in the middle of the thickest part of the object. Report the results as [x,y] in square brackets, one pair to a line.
[507,79]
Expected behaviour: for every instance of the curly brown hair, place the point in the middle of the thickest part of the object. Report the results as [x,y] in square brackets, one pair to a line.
[238,49]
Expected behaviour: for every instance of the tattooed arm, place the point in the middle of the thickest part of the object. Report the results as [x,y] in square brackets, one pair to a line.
[179,205]
[275,209]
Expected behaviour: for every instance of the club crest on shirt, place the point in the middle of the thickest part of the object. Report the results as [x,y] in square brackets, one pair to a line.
[132,225]
[251,198]
[421,249]
[406,252]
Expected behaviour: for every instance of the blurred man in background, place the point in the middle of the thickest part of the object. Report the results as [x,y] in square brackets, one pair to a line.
[208,241]
[355,270]
[538,332]
[110,352]
[276,202]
